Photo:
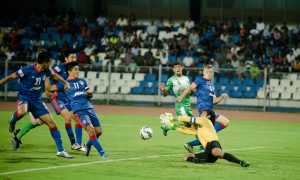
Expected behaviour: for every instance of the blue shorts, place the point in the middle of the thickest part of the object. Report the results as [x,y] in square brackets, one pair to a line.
[37,107]
[59,105]
[86,117]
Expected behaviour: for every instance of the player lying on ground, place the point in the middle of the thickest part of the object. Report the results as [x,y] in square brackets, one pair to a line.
[79,96]
[207,135]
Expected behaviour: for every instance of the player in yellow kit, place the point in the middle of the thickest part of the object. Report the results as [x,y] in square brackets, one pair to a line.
[207,136]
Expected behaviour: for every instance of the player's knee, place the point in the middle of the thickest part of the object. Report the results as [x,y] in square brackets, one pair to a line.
[223,121]
[217,152]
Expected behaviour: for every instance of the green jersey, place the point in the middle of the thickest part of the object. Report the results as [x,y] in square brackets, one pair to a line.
[178,85]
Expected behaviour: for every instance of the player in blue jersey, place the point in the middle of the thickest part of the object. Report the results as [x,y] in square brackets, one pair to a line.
[32,79]
[206,97]
[79,96]
[61,104]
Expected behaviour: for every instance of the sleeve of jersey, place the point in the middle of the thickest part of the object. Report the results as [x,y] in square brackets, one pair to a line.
[169,84]
[85,85]
[56,69]
[198,81]
[21,72]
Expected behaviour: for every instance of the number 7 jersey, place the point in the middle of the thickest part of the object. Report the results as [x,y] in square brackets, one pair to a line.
[77,94]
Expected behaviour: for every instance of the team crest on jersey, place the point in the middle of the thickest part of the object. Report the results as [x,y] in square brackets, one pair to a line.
[61,106]
[44,77]
[81,82]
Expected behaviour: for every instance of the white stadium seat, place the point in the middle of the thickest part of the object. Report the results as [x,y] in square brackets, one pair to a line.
[274,82]
[81,74]
[125,90]
[127,76]
[285,83]
[139,76]
[92,74]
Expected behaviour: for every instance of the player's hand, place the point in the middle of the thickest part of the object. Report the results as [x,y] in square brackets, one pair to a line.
[225,96]
[89,94]
[166,119]
[67,87]
[161,86]
[179,99]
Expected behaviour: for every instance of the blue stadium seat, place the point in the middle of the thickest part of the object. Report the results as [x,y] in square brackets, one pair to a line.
[44,36]
[248,81]
[149,90]
[249,94]
[223,80]
[236,82]
[67,37]
[150,77]
[259,82]
[136,90]
[143,84]
[164,78]
[236,94]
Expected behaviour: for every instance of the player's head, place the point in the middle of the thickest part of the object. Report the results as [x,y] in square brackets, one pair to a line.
[73,69]
[208,71]
[70,55]
[209,114]
[177,68]
[43,58]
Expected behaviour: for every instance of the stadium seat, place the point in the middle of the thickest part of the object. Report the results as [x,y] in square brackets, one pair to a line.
[249,94]
[223,80]
[103,75]
[101,89]
[114,89]
[296,94]
[150,77]
[285,83]
[260,82]
[274,82]
[82,74]
[137,90]
[292,76]
[139,76]
[127,76]
[285,94]
[149,90]
[261,93]
[116,76]
[125,89]
[164,78]
[296,83]
[274,93]
[92,75]
[248,81]
[236,82]
[236,94]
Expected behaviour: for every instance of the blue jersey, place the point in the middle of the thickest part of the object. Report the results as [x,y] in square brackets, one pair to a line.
[204,92]
[32,82]
[62,71]
[77,94]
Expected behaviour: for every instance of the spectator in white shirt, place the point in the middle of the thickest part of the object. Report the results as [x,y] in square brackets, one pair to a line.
[152,29]
[122,21]
[182,30]
[101,20]
[188,60]
[189,24]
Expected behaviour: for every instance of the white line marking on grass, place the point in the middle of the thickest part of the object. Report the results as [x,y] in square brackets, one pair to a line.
[111,160]
[267,132]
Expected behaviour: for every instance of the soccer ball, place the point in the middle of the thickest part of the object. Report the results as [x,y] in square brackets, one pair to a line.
[146,133]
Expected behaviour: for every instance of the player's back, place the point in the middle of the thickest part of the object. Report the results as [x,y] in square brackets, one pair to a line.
[31,82]
[77,95]
[206,131]
[204,92]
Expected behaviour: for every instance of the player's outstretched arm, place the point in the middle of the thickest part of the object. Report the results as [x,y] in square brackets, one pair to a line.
[59,78]
[186,91]
[216,99]
[8,78]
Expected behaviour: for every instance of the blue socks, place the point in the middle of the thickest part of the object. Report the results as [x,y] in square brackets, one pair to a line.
[194,143]
[70,133]
[57,138]
[93,141]
[78,132]
[15,118]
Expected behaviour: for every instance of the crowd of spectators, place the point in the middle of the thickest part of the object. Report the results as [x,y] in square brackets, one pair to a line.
[129,42]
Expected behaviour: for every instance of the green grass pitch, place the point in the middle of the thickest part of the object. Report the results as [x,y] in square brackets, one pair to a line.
[272,148]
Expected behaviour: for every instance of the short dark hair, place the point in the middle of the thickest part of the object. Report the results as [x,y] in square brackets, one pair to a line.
[212,115]
[71,65]
[177,63]
[68,52]
[43,56]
